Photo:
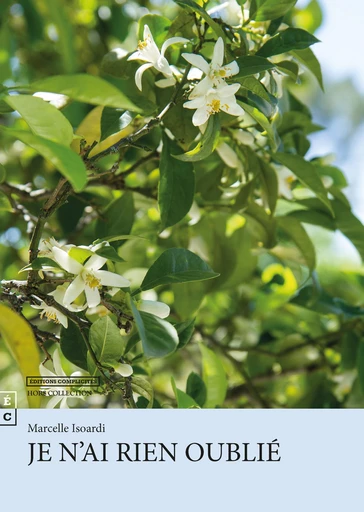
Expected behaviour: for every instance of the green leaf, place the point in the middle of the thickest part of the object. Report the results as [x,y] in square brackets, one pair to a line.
[2,173]
[264,123]
[185,331]
[252,84]
[214,377]
[193,7]
[349,225]
[5,204]
[73,346]
[143,388]
[323,303]
[19,338]
[113,121]
[43,118]
[107,343]
[159,338]
[196,388]
[64,159]
[176,186]
[306,173]
[39,263]
[117,219]
[310,61]
[298,234]
[269,180]
[251,64]
[265,10]
[290,68]
[289,39]
[110,253]
[66,34]
[184,401]
[207,144]
[177,265]
[86,88]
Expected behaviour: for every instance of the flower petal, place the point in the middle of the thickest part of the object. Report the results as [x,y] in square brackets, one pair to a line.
[231,69]
[232,108]
[154,307]
[92,296]
[95,262]
[139,74]
[74,290]
[64,404]
[228,155]
[65,261]
[196,103]
[227,90]
[172,40]
[51,404]
[198,61]
[218,55]
[202,88]
[125,370]
[165,82]
[136,56]
[200,116]
[63,320]
[111,279]
[45,372]
[57,364]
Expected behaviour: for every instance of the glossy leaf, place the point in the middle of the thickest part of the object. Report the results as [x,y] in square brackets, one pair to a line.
[110,253]
[63,158]
[264,123]
[309,60]
[176,185]
[207,144]
[184,401]
[43,118]
[177,266]
[289,39]
[196,388]
[265,10]
[21,342]
[185,331]
[2,174]
[251,64]
[73,345]
[86,88]
[143,388]
[5,205]
[114,121]
[159,338]
[107,343]
[117,220]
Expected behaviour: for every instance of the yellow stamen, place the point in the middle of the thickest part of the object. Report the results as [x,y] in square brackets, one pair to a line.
[142,45]
[50,314]
[214,106]
[92,281]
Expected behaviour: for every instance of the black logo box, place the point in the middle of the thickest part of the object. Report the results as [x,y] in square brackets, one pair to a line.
[96,383]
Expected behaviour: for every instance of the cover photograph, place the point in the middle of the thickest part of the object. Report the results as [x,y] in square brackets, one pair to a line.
[180,205]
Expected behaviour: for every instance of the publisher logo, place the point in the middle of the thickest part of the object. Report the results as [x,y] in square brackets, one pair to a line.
[8,408]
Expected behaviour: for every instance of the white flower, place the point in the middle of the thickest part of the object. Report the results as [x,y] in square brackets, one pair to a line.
[212,94]
[154,307]
[214,100]
[124,369]
[215,72]
[244,137]
[89,277]
[229,12]
[228,155]
[285,180]
[58,372]
[52,314]
[148,52]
